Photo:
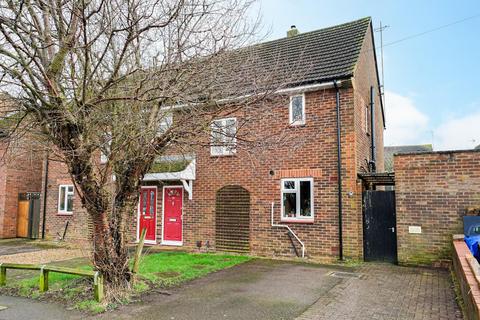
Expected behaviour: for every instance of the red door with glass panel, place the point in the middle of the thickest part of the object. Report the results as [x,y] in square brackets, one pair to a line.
[172,214]
[148,213]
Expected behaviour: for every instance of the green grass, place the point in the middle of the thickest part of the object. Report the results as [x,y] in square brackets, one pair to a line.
[163,269]
[171,268]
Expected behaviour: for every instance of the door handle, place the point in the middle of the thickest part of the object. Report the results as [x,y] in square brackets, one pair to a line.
[391,229]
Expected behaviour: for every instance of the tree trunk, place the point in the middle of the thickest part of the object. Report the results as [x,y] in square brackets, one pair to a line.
[110,255]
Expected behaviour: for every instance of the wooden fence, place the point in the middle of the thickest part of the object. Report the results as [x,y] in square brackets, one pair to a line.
[45,270]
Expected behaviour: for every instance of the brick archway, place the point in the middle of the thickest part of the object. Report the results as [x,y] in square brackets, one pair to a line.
[232,219]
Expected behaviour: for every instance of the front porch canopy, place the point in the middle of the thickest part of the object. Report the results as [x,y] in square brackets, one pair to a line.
[174,168]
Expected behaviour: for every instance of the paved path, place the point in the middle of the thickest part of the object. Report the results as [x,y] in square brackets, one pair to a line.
[389,292]
[23,309]
[15,246]
[35,252]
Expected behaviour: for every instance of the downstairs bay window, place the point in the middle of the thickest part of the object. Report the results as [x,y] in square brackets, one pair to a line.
[297,199]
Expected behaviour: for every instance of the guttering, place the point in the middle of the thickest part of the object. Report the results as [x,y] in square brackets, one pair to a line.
[310,87]
[45,188]
[299,89]
[290,230]
[339,172]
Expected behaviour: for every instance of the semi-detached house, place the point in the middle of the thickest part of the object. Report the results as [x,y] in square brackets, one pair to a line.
[304,199]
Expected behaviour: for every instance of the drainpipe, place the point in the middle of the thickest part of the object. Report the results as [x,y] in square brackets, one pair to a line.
[372,128]
[45,188]
[339,172]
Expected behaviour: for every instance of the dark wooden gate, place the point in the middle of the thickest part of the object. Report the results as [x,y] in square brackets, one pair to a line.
[379,226]
[232,219]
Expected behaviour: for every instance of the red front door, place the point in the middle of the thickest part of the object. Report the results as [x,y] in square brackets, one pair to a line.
[148,212]
[172,215]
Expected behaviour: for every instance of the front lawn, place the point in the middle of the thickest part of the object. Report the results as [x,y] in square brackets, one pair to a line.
[157,270]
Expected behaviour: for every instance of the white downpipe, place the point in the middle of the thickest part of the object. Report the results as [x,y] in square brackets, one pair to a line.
[291,231]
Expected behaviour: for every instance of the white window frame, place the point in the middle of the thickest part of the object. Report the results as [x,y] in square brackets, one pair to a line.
[296,190]
[367,120]
[223,150]
[103,156]
[290,111]
[165,123]
[65,199]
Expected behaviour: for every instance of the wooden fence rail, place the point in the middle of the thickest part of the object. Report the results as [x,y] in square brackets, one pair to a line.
[45,270]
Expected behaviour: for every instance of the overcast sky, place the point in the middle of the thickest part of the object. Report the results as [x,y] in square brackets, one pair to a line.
[431,81]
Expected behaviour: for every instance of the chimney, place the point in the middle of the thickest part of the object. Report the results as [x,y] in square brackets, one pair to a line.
[292,32]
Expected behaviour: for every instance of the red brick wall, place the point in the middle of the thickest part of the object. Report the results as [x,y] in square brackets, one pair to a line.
[20,171]
[465,276]
[54,221]
[315,154]
[433,191]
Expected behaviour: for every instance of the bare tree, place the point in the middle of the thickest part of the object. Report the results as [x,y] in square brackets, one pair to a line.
[97,76]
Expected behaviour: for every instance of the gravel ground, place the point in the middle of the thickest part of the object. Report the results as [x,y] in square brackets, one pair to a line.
[44,256]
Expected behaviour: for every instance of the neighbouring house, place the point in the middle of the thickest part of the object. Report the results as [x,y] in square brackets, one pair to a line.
[390,151]
[216,199]
[20,185]
[21,162]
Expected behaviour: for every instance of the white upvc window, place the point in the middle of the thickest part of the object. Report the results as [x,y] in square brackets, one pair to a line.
[297,199]
[223,137]
[105,148]
[65,199]
[166,122]
[297,110]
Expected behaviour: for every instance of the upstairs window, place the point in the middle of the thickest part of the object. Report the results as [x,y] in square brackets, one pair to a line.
[65,199]
[166,122]
[297,199]
[367,120]
[105,148]
[297,110]
[223,137]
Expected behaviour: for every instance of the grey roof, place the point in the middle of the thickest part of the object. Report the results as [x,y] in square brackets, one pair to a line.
[389,152]
[477,147]
[306,58]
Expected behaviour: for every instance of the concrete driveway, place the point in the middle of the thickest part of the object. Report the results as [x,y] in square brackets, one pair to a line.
[265,289]
[261,289]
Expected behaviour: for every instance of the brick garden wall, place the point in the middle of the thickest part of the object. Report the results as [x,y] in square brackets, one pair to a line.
[466,277]
[433,191]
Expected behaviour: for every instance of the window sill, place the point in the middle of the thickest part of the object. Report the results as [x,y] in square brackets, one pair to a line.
[305,221]
[64,213]
[296,125]
[222,155]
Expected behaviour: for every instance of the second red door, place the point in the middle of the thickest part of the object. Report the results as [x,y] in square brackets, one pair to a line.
[172,214]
